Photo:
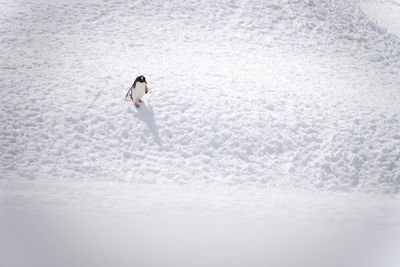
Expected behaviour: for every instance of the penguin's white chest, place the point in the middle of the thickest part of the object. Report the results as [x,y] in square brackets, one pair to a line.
[139,89]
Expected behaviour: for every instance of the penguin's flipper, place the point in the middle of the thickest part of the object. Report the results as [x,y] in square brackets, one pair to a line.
[146,89]
[130,89]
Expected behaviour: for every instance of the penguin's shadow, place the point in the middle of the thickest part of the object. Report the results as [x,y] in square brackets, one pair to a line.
[146,114]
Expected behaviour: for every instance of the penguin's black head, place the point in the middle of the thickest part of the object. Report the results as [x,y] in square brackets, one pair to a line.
[141,79]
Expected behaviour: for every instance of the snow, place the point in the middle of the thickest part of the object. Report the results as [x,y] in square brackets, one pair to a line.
[273,120]
[385,13]
[124,224]
[259,105]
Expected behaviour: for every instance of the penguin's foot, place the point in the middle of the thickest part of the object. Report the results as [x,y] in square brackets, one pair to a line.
[140,100]
[137,105]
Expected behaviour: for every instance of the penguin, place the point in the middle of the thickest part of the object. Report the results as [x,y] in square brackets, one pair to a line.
[137,90]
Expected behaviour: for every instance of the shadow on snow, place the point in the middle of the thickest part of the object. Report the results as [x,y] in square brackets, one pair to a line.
[146,114]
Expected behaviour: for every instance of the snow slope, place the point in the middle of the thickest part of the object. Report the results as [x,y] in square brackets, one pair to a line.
[385,13]
[289,93]
[278,111]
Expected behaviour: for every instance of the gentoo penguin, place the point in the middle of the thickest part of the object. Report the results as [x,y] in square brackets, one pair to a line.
[138,89]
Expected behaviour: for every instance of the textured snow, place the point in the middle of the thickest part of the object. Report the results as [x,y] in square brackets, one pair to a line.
[303,93]
[385,13]
[260,115]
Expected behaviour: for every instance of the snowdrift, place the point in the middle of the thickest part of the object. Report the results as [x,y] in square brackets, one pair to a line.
[270,135]
[299,94]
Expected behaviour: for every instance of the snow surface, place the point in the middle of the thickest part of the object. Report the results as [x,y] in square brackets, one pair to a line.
[385,13]
[302,94]
[270,128]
